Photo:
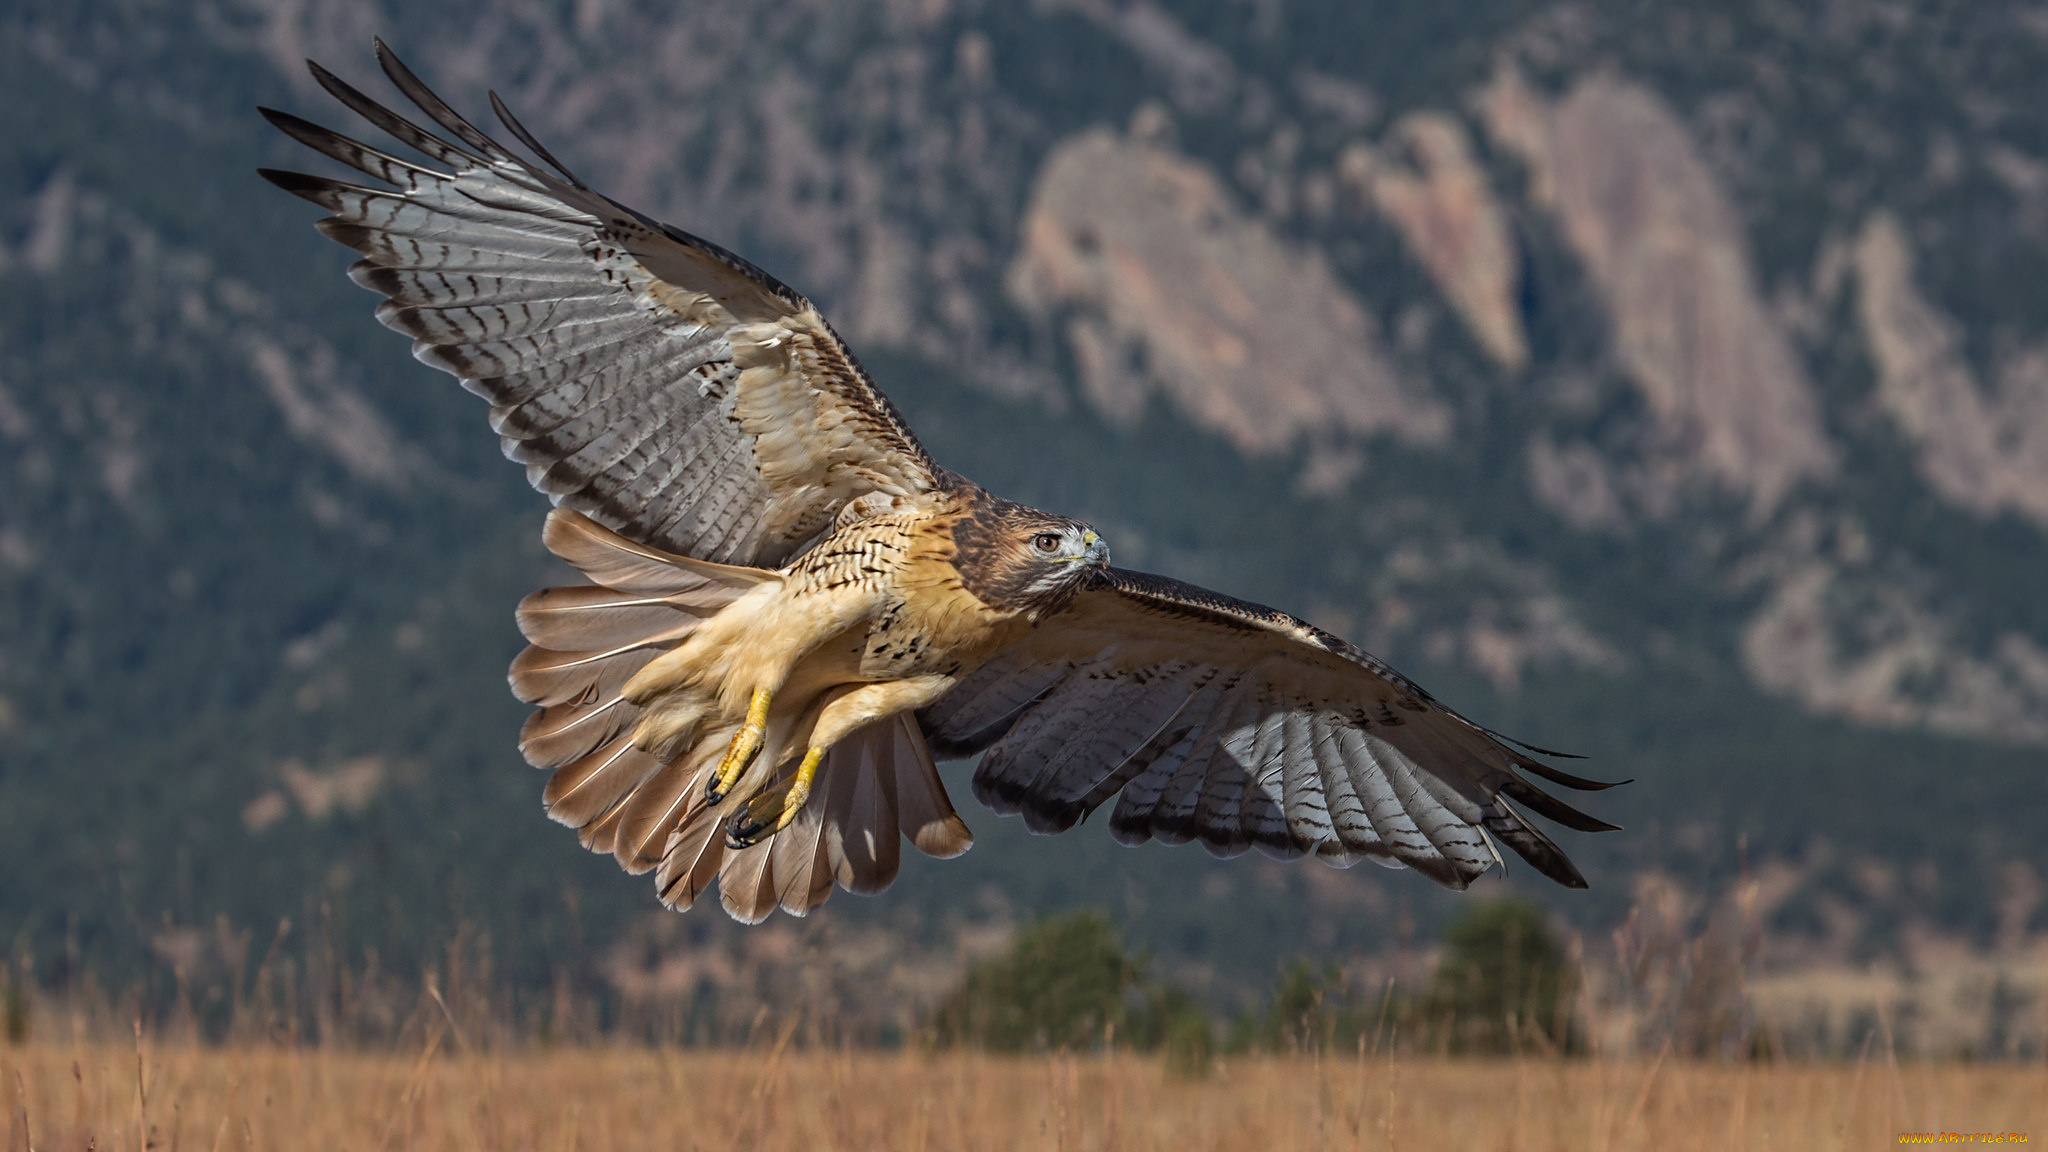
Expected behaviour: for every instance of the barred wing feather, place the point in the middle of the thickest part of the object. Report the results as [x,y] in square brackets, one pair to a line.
[649,379]
[1217,720]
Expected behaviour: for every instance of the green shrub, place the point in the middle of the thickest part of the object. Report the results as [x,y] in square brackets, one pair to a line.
[1503,984]
[1310,1009]
[1066,983]
[1189,1042]
[1062,985]
[1170,1021]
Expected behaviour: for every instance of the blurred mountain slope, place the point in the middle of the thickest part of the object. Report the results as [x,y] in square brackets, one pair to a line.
[1668,388]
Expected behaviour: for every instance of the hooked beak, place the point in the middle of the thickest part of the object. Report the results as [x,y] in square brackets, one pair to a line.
[1097,554]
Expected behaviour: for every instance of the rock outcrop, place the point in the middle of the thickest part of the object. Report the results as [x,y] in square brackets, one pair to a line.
[1164,287]
[1425,179]
[1982,449]
[1666,251]
[1843,642]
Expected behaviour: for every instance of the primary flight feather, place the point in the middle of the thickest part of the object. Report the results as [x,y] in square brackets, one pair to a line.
[793,609]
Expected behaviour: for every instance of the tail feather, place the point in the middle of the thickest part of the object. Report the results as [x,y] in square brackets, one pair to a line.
[923,808]
[691,859]
[612,561]
[590,616]
[877,787]
[560,733]
[546,677]
[589,787]
[744,885]
[801,867]
[587,641]
[860,817]
[656,808]
[599,835]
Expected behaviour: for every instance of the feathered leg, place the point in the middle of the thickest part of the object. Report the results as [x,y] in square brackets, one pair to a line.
[746,744]
[773,810]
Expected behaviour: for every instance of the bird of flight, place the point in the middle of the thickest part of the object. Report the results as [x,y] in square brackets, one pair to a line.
[792,610]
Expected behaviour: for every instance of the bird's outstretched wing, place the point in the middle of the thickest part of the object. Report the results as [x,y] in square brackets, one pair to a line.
[654,381]
[1239,726]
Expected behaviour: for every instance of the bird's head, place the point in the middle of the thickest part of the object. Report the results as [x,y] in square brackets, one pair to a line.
[1020,559]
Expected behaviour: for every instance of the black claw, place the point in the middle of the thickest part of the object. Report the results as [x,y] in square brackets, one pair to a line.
[743,831]
[711,793]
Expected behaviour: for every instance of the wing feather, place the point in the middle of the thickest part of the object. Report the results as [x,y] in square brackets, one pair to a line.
[1144,757]
[1350,827]
[1046,771]
[1132,820]
[553,399]
[1289,739]
[1178,822]
[1303,795]
[441,288]
[987,701]
[403,130]
[661,385]
[1260,821]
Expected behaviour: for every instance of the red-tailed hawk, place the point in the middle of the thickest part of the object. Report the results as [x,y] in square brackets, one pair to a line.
[792,609]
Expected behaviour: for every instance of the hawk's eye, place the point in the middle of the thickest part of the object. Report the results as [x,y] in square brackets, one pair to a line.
[1046,542]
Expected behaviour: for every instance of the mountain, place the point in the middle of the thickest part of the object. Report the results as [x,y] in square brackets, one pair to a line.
[1666,385]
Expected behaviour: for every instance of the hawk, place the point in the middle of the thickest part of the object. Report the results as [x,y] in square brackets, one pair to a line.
[793,611]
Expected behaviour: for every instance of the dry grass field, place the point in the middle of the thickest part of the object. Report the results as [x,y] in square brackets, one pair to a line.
[74,1097]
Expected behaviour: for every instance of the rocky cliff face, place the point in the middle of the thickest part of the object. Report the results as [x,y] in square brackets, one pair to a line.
[1843,640]
[1659,239]
[1425,179]
[1162,284]
[1984,449]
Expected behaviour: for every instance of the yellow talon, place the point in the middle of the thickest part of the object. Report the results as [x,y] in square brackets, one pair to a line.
[781,807]
[800,788]
[745,743]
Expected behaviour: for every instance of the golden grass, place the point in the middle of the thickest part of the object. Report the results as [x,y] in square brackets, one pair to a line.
[74,1097]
